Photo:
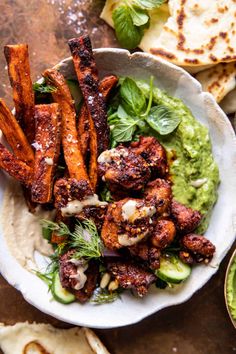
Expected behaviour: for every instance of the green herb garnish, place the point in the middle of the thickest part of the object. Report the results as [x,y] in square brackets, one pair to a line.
[127,33]
[130,20]
[162,120]
[105,195]
[103,296]
[134,114]
[43,87]
[84,239]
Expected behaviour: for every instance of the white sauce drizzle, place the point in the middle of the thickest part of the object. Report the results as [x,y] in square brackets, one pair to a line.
[126,241]
[108,155]
[49,161]
[76,206]
[80,277]
[198,182]
[132,212]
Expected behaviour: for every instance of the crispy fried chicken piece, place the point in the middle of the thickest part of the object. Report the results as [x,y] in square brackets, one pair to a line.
[154,153]
[186,257]
[96,214]
[92,274]
[110,227]
[186,219]
[132,276]
[199,248]
[67,189]
[158,193]
[163,234]
[127,222]
[147,253]
[122,169]
[68,271]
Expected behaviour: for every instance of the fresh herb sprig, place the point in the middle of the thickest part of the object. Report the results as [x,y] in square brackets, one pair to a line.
[84,239]
[53,266]
[135,115]
[131,18]
[105,195]
[43,87]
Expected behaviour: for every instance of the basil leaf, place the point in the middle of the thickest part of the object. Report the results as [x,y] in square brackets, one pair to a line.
[127,33]
[121,112]
[139,16]
[124,130]
[162,120]
[149,4]
[133,99]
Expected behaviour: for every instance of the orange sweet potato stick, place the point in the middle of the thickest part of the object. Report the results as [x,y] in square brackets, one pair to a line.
[47,145]
[15,167]
[71,147]
[17,58]
[86,72]
[15,135]
[105,87]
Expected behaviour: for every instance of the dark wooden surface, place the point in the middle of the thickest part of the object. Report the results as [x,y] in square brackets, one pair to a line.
[201,325]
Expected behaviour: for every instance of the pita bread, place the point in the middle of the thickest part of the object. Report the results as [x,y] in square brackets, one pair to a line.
[218,80]
[197,32]
[228,104]
[25,338]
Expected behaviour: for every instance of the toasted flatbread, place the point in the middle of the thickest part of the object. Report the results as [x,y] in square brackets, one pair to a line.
[196,33]
[218,80]
[228,104]
[25,338]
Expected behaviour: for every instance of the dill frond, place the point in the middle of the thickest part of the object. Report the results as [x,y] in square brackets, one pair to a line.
[86,241]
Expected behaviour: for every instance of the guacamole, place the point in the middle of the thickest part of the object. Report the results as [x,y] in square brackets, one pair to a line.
[194,173]
[231,289]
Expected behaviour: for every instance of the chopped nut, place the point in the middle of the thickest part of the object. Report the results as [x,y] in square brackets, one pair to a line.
[105,280]
[113,285]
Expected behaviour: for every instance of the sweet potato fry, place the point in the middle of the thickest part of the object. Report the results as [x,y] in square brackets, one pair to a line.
[15,167]
[105,87]
[15,135]
[93,164]
[71,147]
[83,130]
[55,238]
[86,72]
[47,145]
[17,58]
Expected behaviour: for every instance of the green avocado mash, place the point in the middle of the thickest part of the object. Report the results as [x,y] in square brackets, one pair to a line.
[194,172]
[231,289]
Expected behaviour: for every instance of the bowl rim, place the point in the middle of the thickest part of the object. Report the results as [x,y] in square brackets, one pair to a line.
[232,259]
[210,101]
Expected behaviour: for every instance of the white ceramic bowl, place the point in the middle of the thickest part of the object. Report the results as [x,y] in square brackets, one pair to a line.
[231,261]
[222,227]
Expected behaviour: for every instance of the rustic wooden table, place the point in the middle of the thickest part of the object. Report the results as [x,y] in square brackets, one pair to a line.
[201,325]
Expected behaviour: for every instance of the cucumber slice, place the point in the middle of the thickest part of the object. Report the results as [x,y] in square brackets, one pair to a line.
[173,270]
[75,92]
[59,293]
